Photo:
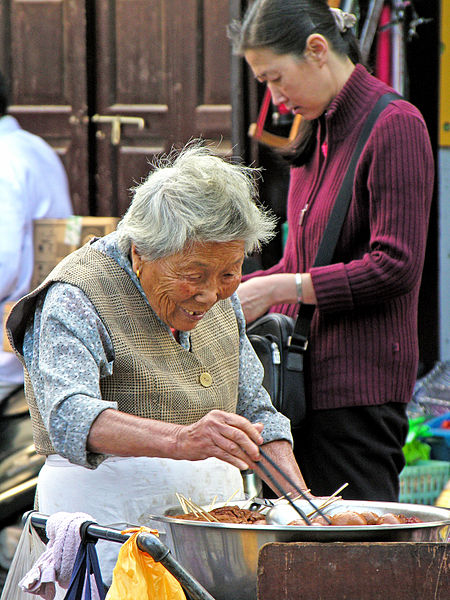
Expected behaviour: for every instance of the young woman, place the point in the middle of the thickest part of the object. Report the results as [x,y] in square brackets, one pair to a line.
[363,349]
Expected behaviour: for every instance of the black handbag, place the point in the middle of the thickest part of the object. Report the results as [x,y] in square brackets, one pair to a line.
[280,341]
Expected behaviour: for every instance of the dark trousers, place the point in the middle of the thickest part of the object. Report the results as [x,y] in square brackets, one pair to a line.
[358,445]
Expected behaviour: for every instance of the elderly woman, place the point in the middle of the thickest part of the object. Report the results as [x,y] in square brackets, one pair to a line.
[141,380]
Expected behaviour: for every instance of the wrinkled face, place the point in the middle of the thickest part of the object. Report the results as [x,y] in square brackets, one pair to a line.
[299,83]
[182,288]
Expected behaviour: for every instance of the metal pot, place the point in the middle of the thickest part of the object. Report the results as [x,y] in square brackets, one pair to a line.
[224,557]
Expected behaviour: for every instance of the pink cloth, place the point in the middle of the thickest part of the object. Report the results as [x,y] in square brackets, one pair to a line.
[55,565]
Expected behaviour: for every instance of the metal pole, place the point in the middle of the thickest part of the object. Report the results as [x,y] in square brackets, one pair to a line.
[146,542]
[159,552]
[370,27]
[398,47]
[238,129]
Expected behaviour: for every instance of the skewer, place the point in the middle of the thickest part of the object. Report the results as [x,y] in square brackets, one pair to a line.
[197,510]
[182,502]
[231,497]
[339,490]
[289,480]
[331,498]
[325,504]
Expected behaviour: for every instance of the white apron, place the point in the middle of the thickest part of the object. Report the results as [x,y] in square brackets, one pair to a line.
[123,491]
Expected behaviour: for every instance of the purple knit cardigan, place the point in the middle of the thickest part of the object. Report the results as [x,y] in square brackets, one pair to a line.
[363,347]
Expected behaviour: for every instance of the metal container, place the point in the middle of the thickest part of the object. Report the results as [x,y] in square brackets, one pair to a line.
[224,557]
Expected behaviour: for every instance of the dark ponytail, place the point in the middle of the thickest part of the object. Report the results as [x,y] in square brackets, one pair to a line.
[284,26]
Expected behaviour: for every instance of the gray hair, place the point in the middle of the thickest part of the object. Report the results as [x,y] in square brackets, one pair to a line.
[190,196]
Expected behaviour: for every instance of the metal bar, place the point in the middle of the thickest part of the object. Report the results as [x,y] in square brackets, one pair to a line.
[159,552]
[146,542]
[398,48]
[370,27]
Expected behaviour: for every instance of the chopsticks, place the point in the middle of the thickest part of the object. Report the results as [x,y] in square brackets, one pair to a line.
[281,472]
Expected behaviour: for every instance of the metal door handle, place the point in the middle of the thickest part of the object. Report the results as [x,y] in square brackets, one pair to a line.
[116,121]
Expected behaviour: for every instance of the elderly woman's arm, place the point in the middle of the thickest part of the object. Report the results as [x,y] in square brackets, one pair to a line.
[67,350]
[223,435]
[255,404]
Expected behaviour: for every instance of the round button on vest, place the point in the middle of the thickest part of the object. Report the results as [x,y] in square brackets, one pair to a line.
[205,379]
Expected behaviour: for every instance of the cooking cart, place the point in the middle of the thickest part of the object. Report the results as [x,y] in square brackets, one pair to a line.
[221,561]
[354,571]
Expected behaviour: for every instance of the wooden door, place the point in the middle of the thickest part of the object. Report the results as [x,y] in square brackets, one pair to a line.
[167,66]
[160,66]
[44,60]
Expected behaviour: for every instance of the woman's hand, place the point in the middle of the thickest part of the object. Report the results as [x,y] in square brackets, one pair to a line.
[223,435]
[256,296]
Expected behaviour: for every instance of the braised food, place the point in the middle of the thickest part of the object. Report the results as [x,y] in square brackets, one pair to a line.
[349,517]
[227,514]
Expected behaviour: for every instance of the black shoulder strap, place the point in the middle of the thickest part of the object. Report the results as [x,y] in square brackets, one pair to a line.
[299,340]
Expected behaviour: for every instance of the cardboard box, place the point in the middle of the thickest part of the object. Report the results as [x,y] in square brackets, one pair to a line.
[53,239]
[56,238]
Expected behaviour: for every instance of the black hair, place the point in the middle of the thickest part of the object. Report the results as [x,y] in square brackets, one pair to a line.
[4,99]
[284,26]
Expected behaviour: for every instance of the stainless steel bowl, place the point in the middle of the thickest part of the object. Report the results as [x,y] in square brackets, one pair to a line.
[224,557]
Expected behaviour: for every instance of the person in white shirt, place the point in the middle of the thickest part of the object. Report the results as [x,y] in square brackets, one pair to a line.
[33,185]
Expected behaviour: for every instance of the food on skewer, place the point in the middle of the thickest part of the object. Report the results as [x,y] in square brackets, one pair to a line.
[227,514]
[243,516]
[347,518]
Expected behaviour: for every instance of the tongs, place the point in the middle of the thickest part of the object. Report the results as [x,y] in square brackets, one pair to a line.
[279,487]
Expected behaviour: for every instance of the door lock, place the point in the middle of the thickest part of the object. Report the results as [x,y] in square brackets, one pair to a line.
[116,122]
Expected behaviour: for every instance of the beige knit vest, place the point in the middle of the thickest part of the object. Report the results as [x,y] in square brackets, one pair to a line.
[153,376]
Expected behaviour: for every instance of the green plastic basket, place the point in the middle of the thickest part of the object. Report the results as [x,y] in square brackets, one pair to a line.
[423,482]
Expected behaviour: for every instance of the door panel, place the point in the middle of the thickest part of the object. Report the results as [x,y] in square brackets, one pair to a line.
[45,64]
[167,63]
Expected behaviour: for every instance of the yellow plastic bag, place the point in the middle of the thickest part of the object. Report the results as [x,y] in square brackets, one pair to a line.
[137,575]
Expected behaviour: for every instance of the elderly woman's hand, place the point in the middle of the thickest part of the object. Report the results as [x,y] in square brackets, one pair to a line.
[224,435]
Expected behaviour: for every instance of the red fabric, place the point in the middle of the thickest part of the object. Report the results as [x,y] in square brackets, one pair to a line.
[383,48]
[363,343]
[263,113]
[282,109]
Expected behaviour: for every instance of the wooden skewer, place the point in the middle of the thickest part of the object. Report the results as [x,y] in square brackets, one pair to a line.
[339,490]
[334,496]
[325,504]
[198,510]
[182,502]
[231,497]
